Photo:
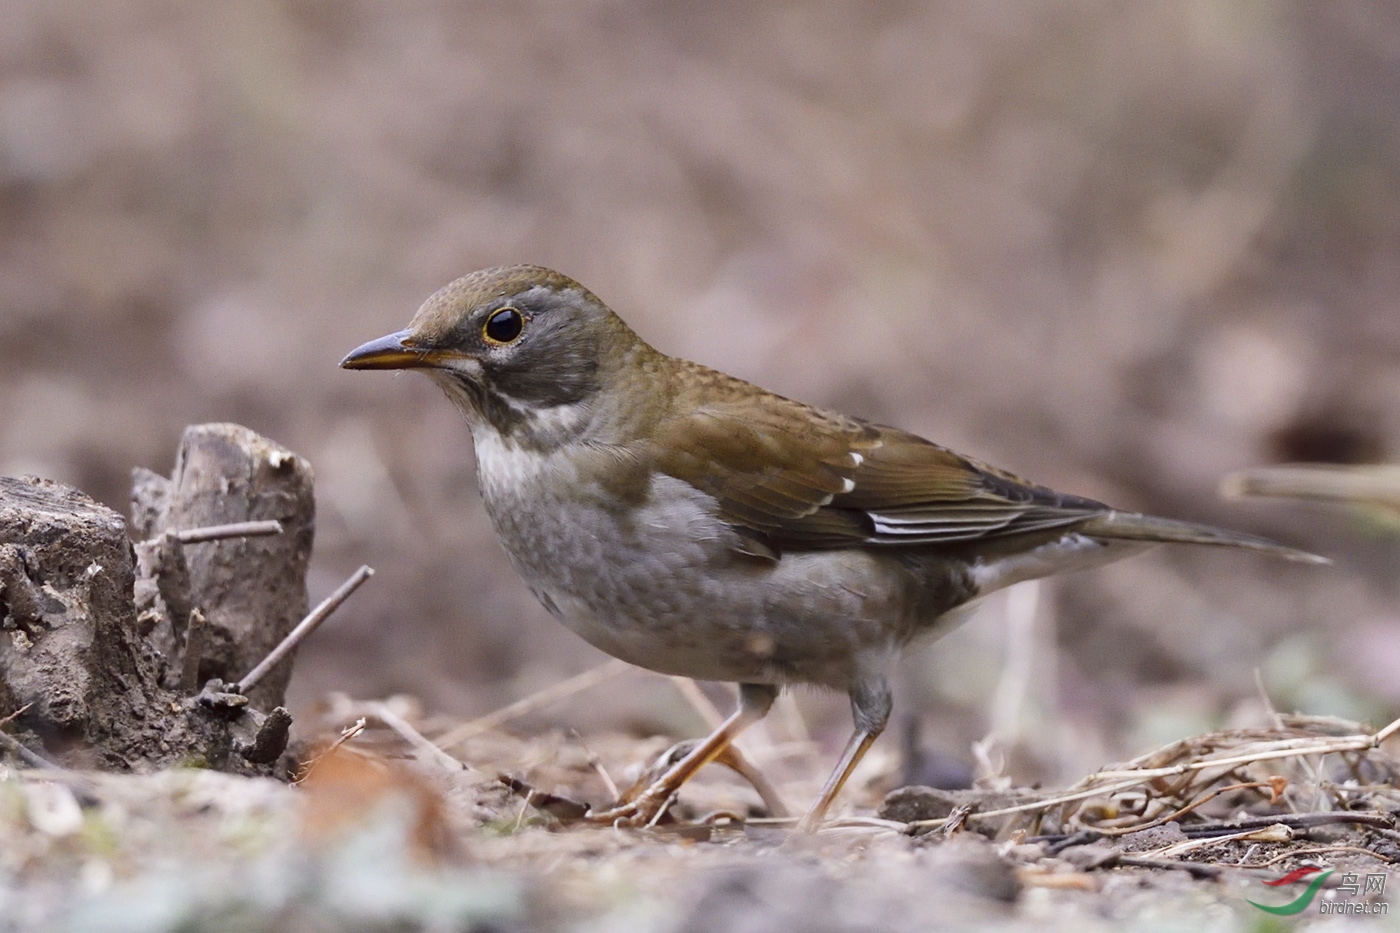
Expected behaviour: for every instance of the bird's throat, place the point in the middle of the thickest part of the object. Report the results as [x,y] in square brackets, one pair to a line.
[526,425]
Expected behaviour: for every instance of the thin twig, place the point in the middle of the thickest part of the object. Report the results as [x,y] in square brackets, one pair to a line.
[304,628]
[1386,733]
[1317,850]
[689,689]
[853,827]
[413,737]
[1293,821]
[1274,832]
[1177,814]
[33,759]
[734,758]
[1195,869]
[1133,777]
[596,764]
[1264,698]
[524,805]
[551,694]
[1371,484]
[15,715]
[1046,804]
[235,530]
[1284,748]
[346,734]
[194,652]
[847,822]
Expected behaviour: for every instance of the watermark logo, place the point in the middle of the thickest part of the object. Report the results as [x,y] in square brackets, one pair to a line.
[1299,904]
[1351,885]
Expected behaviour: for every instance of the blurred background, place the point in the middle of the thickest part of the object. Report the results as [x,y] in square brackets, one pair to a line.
[1122,249]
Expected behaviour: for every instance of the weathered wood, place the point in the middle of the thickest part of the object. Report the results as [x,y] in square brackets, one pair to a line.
[93,631]
[252,590]
[69,646]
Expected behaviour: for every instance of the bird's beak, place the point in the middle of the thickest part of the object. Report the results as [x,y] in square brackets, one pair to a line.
[395,351]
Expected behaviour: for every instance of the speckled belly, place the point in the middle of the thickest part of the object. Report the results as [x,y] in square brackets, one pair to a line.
[662,585]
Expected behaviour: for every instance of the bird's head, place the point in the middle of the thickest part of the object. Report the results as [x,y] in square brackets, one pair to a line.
[511,344]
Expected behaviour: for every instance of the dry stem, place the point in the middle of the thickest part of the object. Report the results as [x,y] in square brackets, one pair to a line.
[551,694]
[235,530]
[304,628]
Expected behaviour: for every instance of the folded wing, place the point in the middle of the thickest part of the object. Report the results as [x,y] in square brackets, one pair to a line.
[803,477]
[787,475]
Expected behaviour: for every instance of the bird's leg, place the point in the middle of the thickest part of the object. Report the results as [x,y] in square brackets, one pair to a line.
[754,702]
[870,707]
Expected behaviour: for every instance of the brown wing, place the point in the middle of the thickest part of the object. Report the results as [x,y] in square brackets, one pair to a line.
[802,477]
[915,491]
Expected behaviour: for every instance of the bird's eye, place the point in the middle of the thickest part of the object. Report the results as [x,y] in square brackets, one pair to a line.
[503,326]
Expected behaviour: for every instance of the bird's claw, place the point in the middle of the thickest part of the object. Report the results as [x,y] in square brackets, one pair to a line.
[642,812]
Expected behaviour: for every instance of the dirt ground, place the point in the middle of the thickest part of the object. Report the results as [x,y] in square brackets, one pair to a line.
[1123,249]
[369,840]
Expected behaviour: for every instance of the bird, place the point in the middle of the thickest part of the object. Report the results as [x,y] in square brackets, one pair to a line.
[694,524]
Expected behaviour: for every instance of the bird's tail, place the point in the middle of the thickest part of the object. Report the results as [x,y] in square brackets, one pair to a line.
[1132,526]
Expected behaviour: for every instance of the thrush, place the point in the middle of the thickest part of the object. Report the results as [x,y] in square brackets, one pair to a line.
[695,524]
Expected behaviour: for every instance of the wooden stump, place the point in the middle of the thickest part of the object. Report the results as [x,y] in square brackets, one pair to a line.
[104,646]
[250,591]
[69,647]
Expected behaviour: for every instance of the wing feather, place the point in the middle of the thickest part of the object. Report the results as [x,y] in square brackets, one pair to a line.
[807,478]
